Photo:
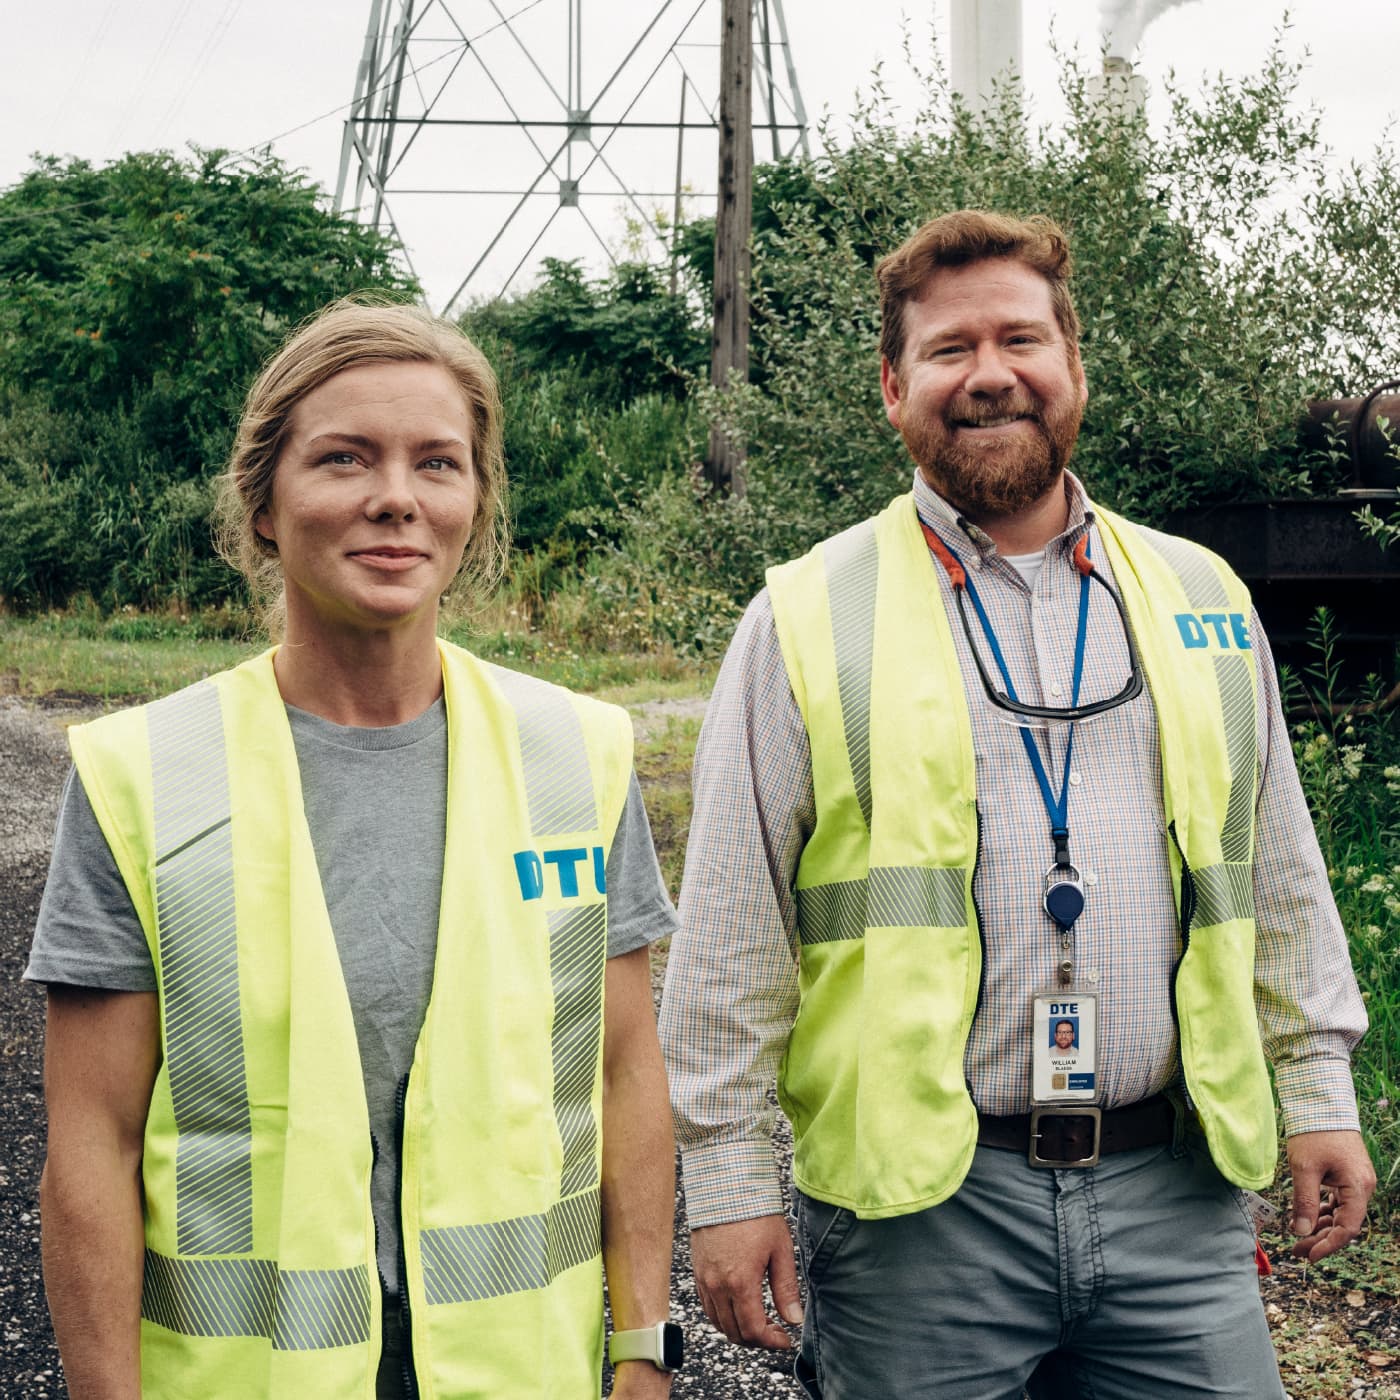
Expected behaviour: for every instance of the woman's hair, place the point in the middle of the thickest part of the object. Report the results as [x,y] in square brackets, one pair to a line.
[355,331]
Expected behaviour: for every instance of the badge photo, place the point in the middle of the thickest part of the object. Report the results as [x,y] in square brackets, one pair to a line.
[1064,1050]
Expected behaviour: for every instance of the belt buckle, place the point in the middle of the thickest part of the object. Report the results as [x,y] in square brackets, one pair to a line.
[1089,1111]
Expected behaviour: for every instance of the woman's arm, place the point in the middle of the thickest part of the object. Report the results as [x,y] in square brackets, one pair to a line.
[639,1175]
[101,1053]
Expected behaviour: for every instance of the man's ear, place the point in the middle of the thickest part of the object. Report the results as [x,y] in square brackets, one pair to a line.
[889,390]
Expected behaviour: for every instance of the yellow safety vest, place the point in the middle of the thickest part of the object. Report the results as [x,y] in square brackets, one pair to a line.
[260,1276]
[890,949]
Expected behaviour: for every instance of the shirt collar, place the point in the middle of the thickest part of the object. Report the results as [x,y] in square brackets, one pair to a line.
[948,523]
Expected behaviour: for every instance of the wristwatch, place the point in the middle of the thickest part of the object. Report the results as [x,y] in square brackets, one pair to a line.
[662,1345]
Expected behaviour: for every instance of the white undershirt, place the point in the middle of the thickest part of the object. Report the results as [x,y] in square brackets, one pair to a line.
[1028,565]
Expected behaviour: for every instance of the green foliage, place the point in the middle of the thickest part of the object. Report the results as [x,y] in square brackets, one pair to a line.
[137,301]
[1225,273]
[619,337]
[593,377]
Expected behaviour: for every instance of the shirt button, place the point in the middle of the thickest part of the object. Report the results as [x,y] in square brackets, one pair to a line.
[974,561]
[1075,779]
[1091,877]
[1056,691]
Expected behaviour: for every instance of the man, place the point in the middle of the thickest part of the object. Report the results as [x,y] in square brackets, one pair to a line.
[1064,1035]
[911,856]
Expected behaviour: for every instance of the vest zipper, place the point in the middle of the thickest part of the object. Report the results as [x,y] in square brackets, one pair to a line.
[383,1282]
[1188,912]
[977,914]
[410,1376]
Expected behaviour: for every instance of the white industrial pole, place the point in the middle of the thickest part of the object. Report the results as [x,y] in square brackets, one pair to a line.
[985,47]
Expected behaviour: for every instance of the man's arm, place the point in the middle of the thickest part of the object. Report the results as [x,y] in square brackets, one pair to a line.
[1310,1011]
[731,981]
[639,1180]
[101,1054]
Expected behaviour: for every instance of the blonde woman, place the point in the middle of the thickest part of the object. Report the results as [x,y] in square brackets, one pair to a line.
[351,1066]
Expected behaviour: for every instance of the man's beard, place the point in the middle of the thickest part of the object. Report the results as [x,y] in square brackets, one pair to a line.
[994,478]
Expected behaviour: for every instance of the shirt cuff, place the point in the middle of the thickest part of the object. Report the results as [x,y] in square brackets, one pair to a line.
[728,1181]
[1316,1093]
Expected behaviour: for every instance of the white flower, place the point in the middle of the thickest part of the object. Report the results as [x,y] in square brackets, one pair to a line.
[1377,884]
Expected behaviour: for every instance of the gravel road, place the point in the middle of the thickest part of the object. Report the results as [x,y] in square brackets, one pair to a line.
[33,762]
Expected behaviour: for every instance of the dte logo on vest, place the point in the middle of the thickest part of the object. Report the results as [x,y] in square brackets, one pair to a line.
[1224,630]
[529,870]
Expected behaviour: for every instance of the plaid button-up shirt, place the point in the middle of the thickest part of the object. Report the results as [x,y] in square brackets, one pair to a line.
[731,984]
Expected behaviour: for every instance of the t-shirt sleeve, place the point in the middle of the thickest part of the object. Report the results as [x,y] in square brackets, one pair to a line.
[639,909]
[88,933]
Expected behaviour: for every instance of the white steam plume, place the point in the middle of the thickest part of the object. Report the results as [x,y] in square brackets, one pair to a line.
[1124,21]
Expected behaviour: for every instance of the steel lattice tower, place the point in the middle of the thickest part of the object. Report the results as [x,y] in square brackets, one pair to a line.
[492,100]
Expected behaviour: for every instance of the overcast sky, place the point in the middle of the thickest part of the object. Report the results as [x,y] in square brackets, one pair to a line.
[94,78]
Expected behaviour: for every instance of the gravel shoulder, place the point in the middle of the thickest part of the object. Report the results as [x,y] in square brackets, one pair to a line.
[33,762]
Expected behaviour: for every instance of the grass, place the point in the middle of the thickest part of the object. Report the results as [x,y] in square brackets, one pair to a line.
[122,658]
[133,656]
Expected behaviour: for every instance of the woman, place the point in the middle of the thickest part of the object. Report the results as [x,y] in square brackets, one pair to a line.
[334,1105]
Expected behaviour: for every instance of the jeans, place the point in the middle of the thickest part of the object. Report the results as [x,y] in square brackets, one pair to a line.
[1133,1280]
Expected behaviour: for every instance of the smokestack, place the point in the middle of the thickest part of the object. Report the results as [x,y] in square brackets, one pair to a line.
[1118,91]
[985,47]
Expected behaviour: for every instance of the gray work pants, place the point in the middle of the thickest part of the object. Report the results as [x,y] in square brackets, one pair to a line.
[1138,1275]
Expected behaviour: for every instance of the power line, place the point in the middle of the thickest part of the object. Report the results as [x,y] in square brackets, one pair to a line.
[207,50]
[138,88]
[422,67]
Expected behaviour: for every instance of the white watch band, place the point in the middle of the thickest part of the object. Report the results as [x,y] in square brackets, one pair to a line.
[640,1344]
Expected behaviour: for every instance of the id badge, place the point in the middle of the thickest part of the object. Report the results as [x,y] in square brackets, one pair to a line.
[1064,1047]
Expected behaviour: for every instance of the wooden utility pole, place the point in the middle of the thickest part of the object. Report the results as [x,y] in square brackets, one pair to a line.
[729,344]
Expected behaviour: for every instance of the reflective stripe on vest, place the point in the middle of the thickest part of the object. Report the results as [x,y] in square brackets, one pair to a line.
[890,897]
[297,1310]
[466,1263]
[1224,891]
[199,959]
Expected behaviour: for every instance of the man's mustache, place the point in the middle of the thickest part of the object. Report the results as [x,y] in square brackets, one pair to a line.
[976,413]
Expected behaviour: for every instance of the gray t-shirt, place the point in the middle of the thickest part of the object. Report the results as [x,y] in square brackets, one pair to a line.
[376,804]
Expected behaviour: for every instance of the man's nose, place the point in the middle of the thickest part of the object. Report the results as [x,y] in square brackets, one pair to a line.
[991,372]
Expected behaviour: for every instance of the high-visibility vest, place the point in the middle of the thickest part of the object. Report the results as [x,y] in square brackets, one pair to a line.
[260,1276]
[890,950]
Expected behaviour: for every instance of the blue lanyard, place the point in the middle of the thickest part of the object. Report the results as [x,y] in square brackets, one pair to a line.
[1056,810]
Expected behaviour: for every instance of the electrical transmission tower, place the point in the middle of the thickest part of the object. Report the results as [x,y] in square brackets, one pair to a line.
[480,121]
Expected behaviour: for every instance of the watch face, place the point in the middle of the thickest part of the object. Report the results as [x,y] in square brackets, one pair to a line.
[672,1346]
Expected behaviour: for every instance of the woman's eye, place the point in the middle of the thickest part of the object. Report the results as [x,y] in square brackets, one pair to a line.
[440,464]
[339,459]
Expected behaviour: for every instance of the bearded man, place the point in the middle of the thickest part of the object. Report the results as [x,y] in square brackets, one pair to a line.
[992,760]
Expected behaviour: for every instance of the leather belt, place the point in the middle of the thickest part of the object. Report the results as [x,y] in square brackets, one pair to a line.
[1065,1135]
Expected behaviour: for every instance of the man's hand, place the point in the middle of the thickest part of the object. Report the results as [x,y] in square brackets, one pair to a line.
[1338,1162]
[730,1262]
